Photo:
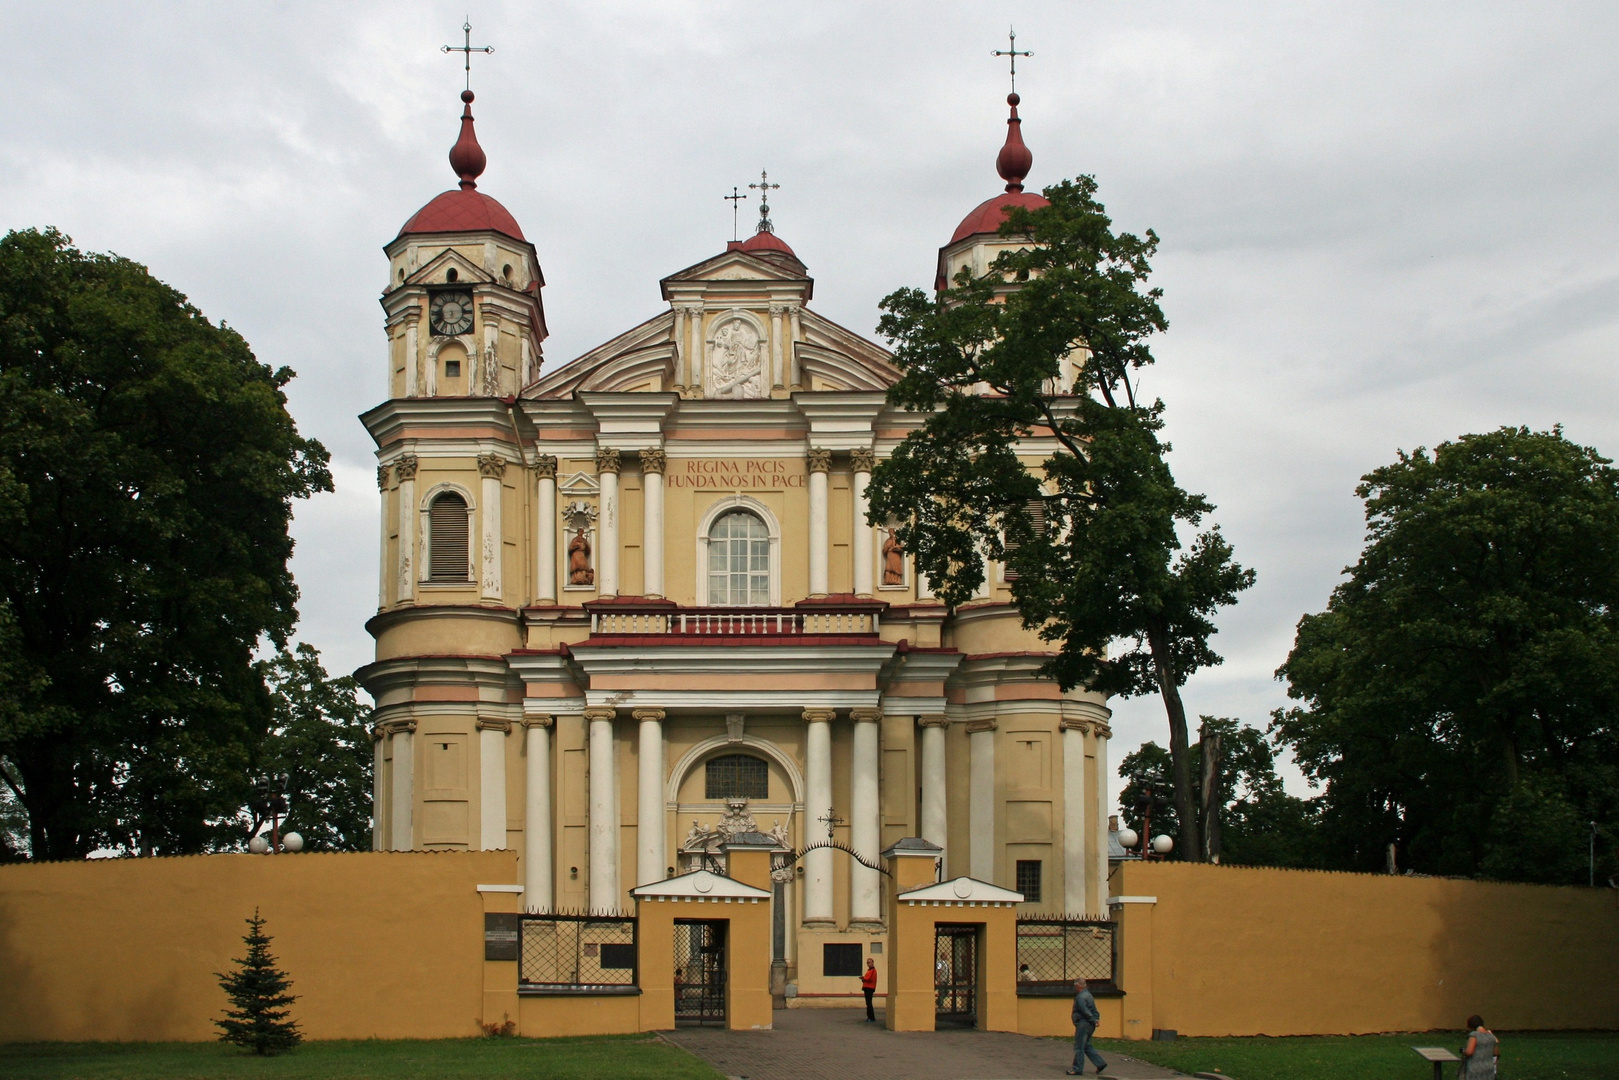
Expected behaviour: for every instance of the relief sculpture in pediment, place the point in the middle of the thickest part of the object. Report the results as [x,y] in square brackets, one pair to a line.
[736,361]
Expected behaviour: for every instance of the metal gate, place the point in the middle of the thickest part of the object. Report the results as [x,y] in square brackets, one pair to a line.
[700,972]
[955,973]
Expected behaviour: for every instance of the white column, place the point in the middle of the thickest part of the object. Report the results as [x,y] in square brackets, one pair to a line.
[492,784]
[649,817]
[545,528]
[694,328]
[776,312]
[682,352]
[865,825]
[603,888]
[818,780]
[794,376]
[862,542]
[404,793]
[385,571]
[378,826]
[405,469]
[935,807]
[491,467]
[1101,732]
[981,800]
[652,463]
[1075,810]
[607,466]
[537,894]
[411,360]
[820,463]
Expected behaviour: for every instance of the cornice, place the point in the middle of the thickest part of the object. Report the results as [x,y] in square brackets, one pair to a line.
[386,620]
[387,421]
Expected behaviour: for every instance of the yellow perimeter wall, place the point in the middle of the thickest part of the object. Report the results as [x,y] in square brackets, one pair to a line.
[384,944]
[1237,951]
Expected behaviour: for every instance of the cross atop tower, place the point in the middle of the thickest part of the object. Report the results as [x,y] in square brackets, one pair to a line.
[1013,52]
[765,187]
[468,49]
[734,199]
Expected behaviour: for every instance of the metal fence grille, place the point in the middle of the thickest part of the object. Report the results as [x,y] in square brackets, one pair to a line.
[1053,952]
[577,952]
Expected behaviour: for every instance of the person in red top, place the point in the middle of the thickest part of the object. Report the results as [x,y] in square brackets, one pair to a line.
[868,986]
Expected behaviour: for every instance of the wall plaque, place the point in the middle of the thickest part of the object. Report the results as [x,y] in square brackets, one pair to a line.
[500,931]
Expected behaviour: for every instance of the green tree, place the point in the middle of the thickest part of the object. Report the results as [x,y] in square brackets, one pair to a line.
[262,1019]
[1091,534]
[1260,823]
[147,470]
[1459,692]
[319,742]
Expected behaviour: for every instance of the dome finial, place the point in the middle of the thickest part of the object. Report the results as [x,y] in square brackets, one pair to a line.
[1014,160]
[466,156]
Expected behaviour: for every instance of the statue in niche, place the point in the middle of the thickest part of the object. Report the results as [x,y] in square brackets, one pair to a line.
[736,363]
[579,571]
[893,559]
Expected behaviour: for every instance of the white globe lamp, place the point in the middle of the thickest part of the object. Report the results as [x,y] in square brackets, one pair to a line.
[292,842]
[258,846]
[1128,839]
[1162,845]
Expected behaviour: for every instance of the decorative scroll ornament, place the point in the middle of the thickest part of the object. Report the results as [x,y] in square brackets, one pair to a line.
[607,460]
[545,467]
[491,465]
[382,477]
[736,361]
[405,467]
[861,460]
[736,820]
[653,460]
[820,460]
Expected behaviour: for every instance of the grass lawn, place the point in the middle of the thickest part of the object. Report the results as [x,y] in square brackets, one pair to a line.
[629,1057]
[1540,1056]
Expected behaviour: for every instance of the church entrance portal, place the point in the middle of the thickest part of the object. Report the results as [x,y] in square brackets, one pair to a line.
[955,978]
[700,972]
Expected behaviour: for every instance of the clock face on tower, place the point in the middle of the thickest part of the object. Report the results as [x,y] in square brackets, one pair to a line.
[450,313]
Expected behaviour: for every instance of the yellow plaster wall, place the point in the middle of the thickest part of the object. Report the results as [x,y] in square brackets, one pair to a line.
[1239,951]
[1052,1016]
[550,1015]
[378,944]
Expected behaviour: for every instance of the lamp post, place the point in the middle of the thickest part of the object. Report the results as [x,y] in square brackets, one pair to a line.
[272,802]
[1145,802]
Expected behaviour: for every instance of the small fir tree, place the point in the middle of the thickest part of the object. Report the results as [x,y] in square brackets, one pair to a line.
[261,1020]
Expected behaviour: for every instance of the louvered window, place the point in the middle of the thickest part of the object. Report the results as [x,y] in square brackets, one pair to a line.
[447,520]
[1036,509]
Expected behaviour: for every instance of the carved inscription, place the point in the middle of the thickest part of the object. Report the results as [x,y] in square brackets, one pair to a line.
[737,474]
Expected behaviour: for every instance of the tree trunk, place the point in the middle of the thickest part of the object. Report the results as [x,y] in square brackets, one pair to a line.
[1209,786]
[1180,757]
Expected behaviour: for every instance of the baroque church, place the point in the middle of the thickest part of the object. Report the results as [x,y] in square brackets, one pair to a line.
[631,605]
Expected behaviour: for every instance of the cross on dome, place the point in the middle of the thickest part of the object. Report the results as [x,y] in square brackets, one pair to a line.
[765,187]
[467,50]
[734,198]
[1013,52]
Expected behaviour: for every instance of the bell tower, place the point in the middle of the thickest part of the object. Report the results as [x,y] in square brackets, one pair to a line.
[464,314]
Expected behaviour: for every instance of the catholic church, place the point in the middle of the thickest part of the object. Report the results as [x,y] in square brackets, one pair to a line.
[631,606]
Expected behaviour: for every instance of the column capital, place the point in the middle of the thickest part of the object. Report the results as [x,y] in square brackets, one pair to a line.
[492,466]
[1101,730]
[862,459]
[820,460]
[398,727]
[693,311]
[378,732]
[600,712]
[545,467]
[777,310]
[653,460]
[648,714]
[927,720]
[405,467]
[865,716]
[819,716]
[489,723]
[382,477]
[975,726]
[607,460]
[1070,723]
[544,720]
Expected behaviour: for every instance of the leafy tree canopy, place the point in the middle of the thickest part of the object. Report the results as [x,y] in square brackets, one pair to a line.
[1041,352]
[148,466]
[1458,695]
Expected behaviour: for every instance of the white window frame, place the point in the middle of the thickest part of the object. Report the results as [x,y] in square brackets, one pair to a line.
[725,505]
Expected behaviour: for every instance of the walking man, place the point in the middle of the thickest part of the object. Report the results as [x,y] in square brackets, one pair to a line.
[868,986]
[1085,1019]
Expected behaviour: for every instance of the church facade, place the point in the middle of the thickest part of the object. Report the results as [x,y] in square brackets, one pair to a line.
[630,605]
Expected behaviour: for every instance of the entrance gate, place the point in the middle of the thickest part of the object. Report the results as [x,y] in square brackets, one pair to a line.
[955,974]
[700,972]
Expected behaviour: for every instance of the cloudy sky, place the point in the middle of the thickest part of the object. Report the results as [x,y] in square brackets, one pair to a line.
[1383,225]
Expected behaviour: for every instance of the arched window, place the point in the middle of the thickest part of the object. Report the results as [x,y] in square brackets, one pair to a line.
[447,534]
[738,561]
[736,776]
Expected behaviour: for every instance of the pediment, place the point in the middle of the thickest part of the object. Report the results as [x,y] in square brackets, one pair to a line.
[700,884]
[433,271]
[961,890]
[732,266]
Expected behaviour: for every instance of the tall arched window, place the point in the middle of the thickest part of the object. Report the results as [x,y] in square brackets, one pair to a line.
[448,529]
[738,561]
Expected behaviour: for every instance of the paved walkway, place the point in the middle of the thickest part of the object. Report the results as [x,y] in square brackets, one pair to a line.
[838,1044]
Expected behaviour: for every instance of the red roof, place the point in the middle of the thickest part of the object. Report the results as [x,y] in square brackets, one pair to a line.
[765,241]
[463,210]
[988,215]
